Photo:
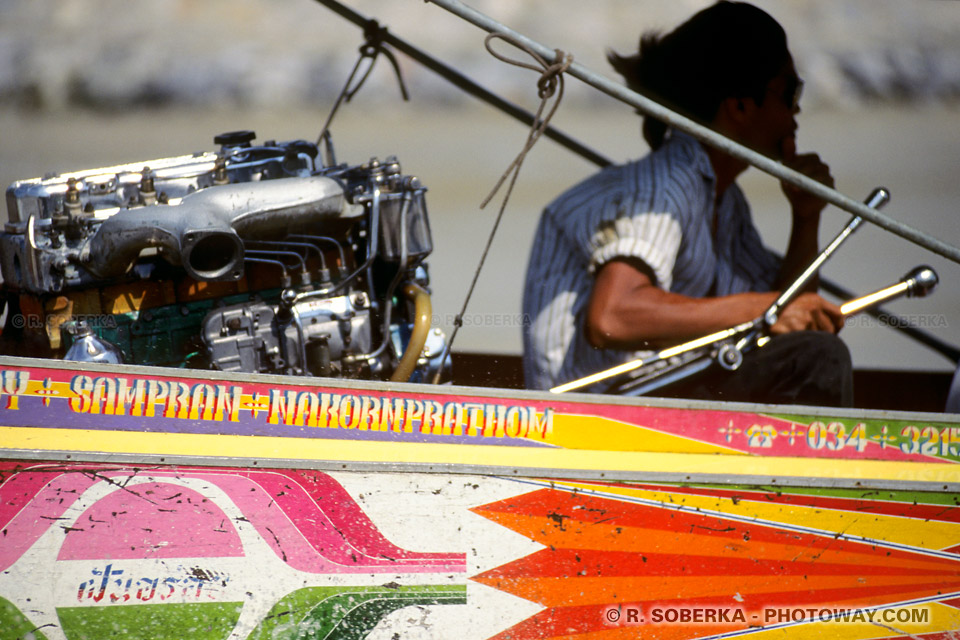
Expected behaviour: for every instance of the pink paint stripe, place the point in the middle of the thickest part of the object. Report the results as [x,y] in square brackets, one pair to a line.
[730,429]
[42,499]
[322,547]
[355,545]
[284,508]
[17,492]
[346,515]
[151,520]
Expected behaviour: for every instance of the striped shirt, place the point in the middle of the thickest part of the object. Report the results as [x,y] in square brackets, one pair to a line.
[658,209]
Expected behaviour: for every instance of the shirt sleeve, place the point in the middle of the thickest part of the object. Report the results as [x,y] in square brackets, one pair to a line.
[653,238]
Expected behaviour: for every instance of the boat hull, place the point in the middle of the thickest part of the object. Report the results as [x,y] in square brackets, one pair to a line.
[155,503]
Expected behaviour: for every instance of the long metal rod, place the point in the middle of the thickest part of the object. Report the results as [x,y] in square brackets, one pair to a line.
[665,354]
[708,136]
[468,85]
[894,321]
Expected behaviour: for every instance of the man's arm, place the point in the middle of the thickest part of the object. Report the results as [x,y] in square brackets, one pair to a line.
[627,311]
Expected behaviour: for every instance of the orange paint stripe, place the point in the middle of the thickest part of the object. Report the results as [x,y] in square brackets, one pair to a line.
[610,536]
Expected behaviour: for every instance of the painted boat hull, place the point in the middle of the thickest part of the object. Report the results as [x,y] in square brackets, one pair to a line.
[157,503]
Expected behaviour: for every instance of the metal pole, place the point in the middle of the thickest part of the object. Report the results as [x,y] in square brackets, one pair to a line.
[468,85]
[708,136]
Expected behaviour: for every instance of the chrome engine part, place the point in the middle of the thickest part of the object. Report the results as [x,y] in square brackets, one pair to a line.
[315,336]
[253,258]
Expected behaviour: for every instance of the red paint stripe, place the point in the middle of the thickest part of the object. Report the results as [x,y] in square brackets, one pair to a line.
[601,563]
[590,623]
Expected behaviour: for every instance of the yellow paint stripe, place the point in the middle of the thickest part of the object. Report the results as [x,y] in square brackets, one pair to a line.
[573,431]
[925,534]
[941,618]
[264,448]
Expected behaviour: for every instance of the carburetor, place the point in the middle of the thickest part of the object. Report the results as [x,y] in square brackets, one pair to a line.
[256,258]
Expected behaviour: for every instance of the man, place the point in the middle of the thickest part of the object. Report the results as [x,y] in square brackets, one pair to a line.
[662,250]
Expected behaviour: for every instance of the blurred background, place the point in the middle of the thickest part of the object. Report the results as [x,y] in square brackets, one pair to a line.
[88,83]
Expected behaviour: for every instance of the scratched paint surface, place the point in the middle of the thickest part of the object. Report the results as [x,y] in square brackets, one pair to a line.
[102,551]
[747,561]
[80,412]
[193,553]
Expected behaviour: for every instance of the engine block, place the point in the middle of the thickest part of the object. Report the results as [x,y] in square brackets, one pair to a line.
[256,258]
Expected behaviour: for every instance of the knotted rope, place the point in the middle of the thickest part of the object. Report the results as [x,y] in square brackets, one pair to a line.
[549,84]
[374,35]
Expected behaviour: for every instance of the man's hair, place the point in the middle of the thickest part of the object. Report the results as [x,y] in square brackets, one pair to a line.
[730,49]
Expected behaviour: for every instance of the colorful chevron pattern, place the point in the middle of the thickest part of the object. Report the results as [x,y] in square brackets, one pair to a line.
[772,555]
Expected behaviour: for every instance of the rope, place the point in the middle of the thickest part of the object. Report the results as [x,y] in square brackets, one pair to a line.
[549,84]
[373,46]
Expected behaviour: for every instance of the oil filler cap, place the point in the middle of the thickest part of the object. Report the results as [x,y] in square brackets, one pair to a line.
[235,138]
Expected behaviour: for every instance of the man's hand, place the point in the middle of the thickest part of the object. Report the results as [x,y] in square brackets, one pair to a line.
[805,208]
[803,203]
[809,312]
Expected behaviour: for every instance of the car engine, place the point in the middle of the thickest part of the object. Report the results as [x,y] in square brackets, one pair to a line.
[253,258]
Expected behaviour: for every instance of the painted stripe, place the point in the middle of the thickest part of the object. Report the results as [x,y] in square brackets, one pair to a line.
[573,431]
[903,530]
[907,504]
[603,552]
[716,538]
[273,448]
[691,591]
[942,619]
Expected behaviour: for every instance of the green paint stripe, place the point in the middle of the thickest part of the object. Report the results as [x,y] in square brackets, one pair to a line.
[802,419]
[346,613]
[935,439]
[208,621]
[14,625]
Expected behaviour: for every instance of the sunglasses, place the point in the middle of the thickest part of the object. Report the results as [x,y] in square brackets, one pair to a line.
[793,89]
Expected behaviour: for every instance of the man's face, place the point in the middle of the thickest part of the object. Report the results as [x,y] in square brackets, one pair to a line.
[772,125]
